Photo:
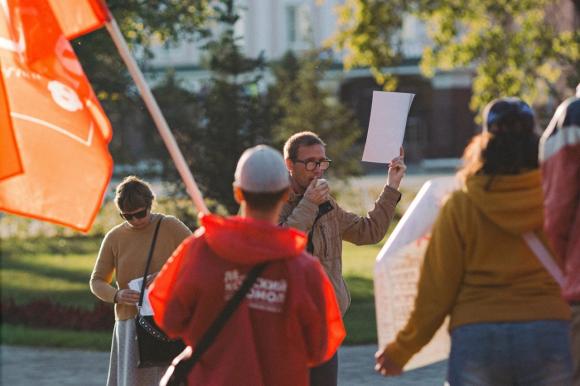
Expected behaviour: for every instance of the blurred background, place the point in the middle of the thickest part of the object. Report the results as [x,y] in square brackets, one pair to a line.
[231,74]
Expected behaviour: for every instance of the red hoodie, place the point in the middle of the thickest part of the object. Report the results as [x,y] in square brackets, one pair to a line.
[560,161]
[288,322]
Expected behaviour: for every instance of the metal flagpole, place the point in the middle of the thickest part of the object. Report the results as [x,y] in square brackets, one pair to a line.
[155,112]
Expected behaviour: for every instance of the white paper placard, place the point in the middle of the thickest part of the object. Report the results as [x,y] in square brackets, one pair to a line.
[387,123]
[398,267]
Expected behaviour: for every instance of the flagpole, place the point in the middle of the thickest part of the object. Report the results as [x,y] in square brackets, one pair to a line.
[157,115]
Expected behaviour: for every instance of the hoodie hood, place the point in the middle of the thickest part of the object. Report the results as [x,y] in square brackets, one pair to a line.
[512,202]
[249,241]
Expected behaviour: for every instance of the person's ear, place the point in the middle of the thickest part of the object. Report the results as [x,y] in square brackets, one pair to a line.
[289,165]
[238,194]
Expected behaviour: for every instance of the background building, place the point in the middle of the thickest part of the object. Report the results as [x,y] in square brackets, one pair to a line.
[440,122]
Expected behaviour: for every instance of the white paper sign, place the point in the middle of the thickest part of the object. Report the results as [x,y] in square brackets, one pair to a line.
[387,123]
[398,267]
[135,285]
[421,214]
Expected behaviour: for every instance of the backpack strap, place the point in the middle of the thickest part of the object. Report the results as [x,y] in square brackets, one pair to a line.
[544,256]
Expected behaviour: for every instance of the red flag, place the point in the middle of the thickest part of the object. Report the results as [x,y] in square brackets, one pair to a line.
[61,130]
[78,17]
[10,164]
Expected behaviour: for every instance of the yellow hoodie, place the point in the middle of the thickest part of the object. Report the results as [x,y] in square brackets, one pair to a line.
[477,267]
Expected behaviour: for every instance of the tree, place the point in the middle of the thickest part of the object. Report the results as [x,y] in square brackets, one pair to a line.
[142,23]
[233,115]
[513,46]
[302,104]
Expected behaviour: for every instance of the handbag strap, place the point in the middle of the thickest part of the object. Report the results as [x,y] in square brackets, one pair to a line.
[183,368]
[544,256]
[151,249]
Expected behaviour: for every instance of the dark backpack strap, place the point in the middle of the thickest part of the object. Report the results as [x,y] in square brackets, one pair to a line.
[183,368]
[149,262]
[323,209]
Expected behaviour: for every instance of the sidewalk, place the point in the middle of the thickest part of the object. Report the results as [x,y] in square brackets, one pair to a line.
[25,366]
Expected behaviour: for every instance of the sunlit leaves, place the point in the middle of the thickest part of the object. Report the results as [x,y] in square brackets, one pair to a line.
[511,45]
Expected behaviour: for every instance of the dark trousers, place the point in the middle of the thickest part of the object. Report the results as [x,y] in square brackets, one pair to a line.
[326,374]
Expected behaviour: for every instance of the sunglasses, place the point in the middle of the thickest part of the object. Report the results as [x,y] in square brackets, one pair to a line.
[137,215]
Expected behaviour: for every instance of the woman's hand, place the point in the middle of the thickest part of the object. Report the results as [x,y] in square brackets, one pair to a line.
[385,366]
[397,170]
[127,296]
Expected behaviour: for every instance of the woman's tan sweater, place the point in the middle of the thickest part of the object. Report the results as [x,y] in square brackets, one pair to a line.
[124,252]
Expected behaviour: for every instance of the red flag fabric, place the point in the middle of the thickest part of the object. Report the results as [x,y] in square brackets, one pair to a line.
[10,164]
[61,131]
[78,17]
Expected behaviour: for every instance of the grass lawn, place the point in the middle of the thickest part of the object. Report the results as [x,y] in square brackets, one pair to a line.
[40,337]
[358,265]
[59,268]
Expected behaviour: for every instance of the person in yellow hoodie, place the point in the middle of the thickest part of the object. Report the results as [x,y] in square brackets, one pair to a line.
[508,322]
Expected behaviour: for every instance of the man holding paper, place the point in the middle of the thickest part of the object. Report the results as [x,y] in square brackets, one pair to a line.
[312,209]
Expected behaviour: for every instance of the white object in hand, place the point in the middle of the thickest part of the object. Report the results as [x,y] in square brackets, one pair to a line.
[135,285]
[387,123]
[320,182]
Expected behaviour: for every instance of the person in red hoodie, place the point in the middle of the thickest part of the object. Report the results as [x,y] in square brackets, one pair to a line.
[289,320]
[560,163]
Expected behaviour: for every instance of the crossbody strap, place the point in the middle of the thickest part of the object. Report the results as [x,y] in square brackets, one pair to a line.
[544,256]
[149,263]
[183,368]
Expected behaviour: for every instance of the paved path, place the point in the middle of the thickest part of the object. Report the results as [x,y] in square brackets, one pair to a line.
[27,366]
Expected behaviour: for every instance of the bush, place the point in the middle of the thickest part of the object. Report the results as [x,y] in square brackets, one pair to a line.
[45,313]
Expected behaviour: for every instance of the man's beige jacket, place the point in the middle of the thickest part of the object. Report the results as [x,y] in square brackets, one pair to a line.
[327,232]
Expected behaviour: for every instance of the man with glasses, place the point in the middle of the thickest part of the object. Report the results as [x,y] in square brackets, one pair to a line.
[312,209]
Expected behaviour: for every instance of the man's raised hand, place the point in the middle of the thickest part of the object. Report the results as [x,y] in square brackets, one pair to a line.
[397,170]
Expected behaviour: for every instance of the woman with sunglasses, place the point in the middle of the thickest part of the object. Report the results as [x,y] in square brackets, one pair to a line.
[508,323]
[124,253]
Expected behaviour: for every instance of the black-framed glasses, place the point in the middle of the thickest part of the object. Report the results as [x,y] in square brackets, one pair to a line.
[137,215]
[311,165]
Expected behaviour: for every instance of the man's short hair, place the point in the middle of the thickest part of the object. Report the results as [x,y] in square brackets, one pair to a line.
[133,193]
[263,202]
[304,138]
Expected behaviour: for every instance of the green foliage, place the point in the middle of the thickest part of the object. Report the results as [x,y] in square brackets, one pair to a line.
[369,32]
[44,337]
[303,104]
[142,23]
[513,47]
[231,114]
[233,111]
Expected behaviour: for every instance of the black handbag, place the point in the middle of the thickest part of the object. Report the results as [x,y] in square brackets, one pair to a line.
[155,347]
[180,368]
